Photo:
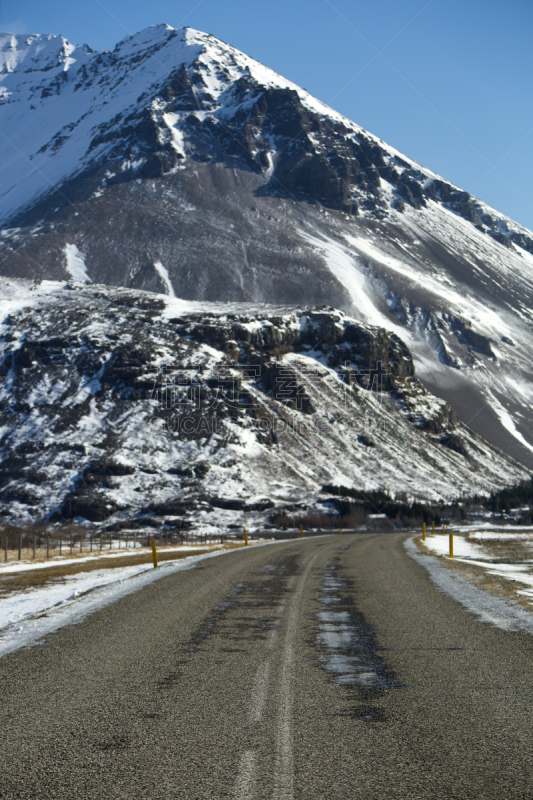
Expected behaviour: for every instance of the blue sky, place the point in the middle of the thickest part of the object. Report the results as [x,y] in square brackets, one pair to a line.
[448,82]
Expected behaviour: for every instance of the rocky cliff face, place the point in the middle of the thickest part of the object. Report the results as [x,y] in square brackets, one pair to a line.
[123,408]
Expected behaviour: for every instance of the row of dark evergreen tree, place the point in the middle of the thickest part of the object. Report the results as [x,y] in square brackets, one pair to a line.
[501,502]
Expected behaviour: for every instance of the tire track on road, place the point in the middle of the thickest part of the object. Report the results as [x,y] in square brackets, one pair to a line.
[284,770]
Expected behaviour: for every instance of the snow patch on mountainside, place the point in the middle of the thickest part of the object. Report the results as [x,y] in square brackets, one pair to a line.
[341,263]
[76,264]
[508,422]
[163,272]
[437,284]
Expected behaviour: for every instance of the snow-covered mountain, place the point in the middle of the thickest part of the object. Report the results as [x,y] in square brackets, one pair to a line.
[128,409]
[178,165]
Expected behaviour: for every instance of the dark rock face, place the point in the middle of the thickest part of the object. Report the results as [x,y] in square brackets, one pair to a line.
[227,503]
[461,202]
[326,172]
[410,190]
[342,340]
[477,341]
[89,508]
[174,507]
[455,443]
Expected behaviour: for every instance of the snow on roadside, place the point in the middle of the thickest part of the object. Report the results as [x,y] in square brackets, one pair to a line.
[511,572]
[473,553]
[27,616]
[511,533]
[19,606]
[462,548]
[487,607]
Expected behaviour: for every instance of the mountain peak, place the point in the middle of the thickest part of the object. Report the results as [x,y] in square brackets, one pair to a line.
[35,52]
[164,95]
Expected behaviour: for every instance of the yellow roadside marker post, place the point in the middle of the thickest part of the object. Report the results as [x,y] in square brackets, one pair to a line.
[433,528]
[424,532]
[451,543]
[246,537]
[154,552]
[302,531]
[340,531]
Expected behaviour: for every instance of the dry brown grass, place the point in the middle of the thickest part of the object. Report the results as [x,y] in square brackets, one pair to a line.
[511,550]
[508,552]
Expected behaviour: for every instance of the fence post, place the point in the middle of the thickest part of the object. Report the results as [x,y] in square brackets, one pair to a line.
[60,543]
[450,535]
[302,531]
[154,552]
[246,537]
[71,543]
[433,528]
[340,531]
[424,532]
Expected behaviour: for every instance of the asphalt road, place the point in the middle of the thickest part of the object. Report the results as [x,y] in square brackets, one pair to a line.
[327,668]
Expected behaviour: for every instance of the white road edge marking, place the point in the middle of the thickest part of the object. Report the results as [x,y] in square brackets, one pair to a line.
[284,774]
[245,785]
[257,703]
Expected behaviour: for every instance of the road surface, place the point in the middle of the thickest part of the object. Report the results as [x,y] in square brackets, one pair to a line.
[329,667]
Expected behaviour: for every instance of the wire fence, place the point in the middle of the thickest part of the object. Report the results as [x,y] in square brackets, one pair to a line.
[28,545]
